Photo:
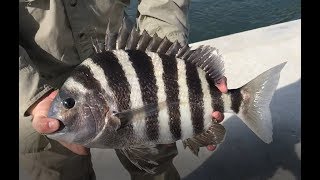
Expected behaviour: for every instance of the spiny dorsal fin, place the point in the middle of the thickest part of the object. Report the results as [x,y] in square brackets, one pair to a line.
[110,40]
[133,39]
[164,46]
[123,34]
[205,57]
[154,43]
[208,59]
[97,46]
[129,38]
[144,41]
[173,49]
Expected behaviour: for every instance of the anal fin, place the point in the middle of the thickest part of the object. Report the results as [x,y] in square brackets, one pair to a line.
[213,136]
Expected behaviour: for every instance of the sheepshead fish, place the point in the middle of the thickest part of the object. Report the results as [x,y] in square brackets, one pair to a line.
[141,91]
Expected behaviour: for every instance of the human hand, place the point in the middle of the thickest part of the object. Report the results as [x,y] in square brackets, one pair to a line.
[43,124]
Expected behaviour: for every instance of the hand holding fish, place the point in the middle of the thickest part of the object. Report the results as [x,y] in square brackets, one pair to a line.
[45,125]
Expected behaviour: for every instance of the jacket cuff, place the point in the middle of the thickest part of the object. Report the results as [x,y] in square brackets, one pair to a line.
[31,85]
[52,165]
[42,91]
[43,158]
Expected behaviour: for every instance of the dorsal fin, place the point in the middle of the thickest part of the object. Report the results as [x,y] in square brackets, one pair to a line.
[173,49]
[164,46]
[124,33]
[209,60]
[129,38]
[144,41]
[154,43]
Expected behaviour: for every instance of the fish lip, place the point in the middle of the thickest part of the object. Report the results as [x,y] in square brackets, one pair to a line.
[52,113]
[57,134]
[61,126]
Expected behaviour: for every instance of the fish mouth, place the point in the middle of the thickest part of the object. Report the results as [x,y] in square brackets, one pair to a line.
[61,126]
[61,130]
[53,114]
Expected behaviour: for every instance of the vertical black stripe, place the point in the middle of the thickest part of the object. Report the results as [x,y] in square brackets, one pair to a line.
[216,102]
[170,79]
[195,97]
[144,69]
[117,80]
[236,99]
[84,76]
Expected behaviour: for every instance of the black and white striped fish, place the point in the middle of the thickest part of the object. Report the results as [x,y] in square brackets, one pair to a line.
[150,91]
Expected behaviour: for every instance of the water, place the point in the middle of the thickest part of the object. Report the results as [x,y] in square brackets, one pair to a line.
[215,18]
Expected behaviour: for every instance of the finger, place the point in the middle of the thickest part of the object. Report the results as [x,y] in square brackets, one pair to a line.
[218,116]
[211,147]
[41,108]
[45,125]
[222,84]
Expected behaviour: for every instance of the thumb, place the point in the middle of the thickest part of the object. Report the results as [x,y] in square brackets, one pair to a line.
[45,125]
[41,122]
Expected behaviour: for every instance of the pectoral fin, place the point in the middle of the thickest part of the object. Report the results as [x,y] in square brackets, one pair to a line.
[141,157]
[149,110]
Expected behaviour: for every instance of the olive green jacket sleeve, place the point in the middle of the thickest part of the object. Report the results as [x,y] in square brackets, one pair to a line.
[31,85]
[166,18]
[51,43]
[44,159]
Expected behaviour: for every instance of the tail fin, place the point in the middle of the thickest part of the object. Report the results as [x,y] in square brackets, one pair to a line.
[254,110]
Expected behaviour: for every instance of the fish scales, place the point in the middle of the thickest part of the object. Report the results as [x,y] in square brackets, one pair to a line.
[144,69]
[170,77]
[207,99]
[184,88]
[121,75]
[195,98]
[181,81]
[116,80]
[135,92]
[164,119]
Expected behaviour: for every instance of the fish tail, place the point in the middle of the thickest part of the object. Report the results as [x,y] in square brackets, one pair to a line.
[251,102]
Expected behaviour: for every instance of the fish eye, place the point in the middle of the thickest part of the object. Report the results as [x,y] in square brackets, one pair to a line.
[68,103]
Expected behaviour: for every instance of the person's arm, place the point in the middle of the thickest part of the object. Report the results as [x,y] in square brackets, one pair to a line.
[166,18]
[41,157]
